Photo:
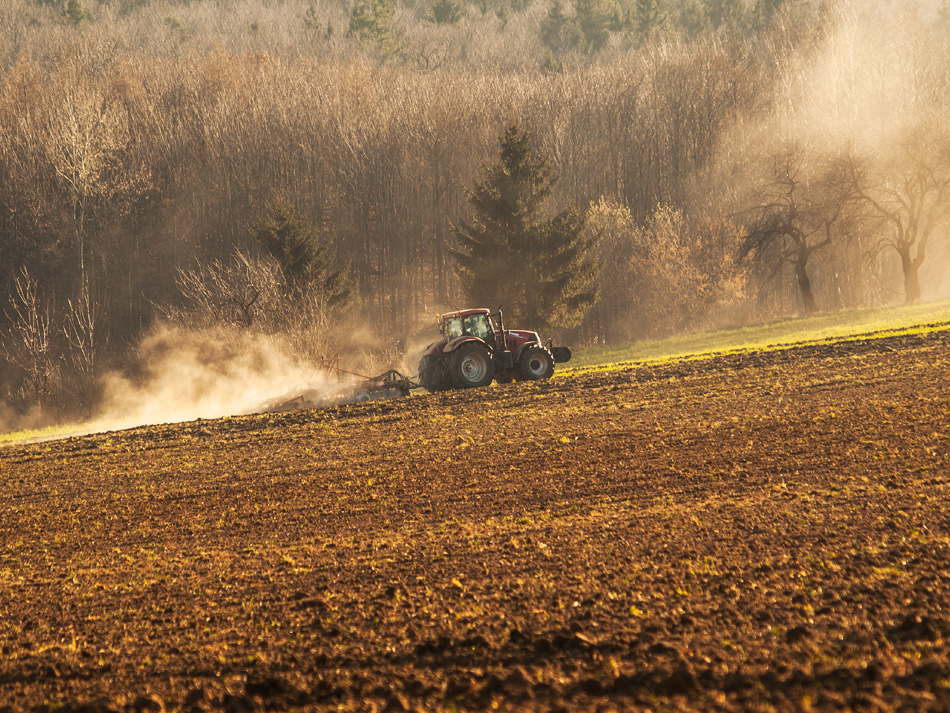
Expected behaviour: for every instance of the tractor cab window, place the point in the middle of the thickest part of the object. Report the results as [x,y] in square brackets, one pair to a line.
[452,329]
[478,326]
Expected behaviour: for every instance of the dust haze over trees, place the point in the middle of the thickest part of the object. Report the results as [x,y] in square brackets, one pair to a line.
[141,140]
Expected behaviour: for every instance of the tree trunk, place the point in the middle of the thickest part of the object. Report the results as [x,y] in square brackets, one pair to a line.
[804,288]
[911,277]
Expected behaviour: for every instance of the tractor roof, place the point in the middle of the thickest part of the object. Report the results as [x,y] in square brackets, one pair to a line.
[463,313]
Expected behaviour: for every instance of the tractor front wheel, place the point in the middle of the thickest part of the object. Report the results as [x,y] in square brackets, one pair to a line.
[472,366]
[535,363]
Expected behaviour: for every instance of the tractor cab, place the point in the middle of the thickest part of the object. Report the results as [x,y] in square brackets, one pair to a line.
[476,323]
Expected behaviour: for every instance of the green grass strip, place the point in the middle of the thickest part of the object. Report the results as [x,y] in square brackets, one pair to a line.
[829,327]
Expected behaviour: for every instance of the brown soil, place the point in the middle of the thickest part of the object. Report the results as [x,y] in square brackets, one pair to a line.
[744,532]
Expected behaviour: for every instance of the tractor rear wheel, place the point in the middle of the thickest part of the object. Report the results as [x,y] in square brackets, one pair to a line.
[431,374]
[471,366]
[535,363]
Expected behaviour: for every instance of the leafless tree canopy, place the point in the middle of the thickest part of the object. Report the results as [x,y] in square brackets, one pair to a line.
[804,205]
[140,142]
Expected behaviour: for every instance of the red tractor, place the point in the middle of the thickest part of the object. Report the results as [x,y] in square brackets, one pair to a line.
[476,348]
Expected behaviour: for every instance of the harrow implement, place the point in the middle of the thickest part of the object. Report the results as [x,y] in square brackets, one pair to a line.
[343,387]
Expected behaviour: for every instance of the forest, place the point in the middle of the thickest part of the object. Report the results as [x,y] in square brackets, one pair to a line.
[723,162]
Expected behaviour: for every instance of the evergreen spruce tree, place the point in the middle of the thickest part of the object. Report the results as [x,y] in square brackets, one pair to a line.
[446,12]
[375,21]
[594,19]
[306,256]
[764,11]
[728,15]
[540,269]
[76,13]
[649,18]
[692,18]
[558,32]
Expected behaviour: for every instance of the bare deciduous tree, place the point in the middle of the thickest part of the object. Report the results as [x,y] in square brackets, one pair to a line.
[241,291]
[251,293]
[798,211]
[909,194]
[28,344]
[82,329]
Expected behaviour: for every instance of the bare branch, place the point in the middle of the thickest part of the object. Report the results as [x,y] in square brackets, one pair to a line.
[29,343]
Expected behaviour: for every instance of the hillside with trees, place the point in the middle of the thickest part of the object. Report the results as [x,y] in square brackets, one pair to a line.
[718,161]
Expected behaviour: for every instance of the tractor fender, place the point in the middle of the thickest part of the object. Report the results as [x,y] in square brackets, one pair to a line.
[527,345]
[456,343]
[434,349]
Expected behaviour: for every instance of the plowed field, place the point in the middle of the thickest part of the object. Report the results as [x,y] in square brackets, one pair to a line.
[764,531]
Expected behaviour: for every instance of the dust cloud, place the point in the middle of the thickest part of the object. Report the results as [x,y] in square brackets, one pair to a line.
[180,375]
[185,375]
